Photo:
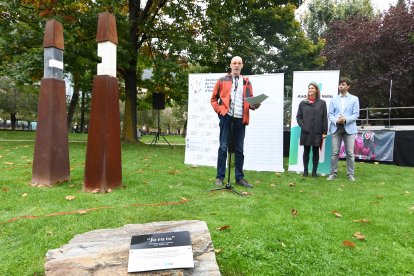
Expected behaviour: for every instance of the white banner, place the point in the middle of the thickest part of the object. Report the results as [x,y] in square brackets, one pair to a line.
[328,84]
[263,144]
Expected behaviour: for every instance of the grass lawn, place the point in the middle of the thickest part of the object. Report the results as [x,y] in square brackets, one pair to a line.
[287,225]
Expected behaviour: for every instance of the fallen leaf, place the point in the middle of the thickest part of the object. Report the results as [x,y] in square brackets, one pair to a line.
[282,244]
[300,191]
[81,212]
[218,250]
[8,163]
[109,190]
[406,193]
[380,197]
[1,156]
[348,243]
[146,165]
[376,163]
[272,185]
[25,194]
[257,181]
[359,236]
[361,220]
[173,172]
[223,227]
[294,212]
[49,233]
[412,208]
[184,199]
[246,193]
[70,198]
[95,191]
[291,184]
[278,174]
[336,213]
[5,189]
[71,186]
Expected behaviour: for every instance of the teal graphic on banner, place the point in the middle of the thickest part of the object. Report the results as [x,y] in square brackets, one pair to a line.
[323,167]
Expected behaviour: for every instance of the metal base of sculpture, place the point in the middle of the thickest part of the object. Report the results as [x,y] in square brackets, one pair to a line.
[103,169]
[51,152]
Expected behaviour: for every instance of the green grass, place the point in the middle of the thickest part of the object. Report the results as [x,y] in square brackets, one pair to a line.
[264,237]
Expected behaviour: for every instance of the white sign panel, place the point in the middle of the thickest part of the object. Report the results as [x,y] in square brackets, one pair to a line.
[328,84]
[160,251]
[263,144]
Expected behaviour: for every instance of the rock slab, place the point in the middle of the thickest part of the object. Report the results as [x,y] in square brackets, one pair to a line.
[105,251]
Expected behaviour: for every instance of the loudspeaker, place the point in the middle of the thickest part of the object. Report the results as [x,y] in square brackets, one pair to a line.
[158,101]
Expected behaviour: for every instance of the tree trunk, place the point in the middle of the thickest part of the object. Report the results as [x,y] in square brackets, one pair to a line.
[185,129]
[129,130]
[82,122]
[74,100]
[13,120]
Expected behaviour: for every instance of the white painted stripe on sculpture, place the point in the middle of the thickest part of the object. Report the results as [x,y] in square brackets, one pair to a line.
[107,52]
[56,64]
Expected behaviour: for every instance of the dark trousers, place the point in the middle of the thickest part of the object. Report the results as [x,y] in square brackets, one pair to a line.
[234,127]
[315,158]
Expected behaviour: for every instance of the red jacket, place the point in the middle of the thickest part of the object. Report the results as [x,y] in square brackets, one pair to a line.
[220,100]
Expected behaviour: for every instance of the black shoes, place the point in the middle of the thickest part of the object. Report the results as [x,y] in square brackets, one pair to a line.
[305,174]
[244,183]
[314,175]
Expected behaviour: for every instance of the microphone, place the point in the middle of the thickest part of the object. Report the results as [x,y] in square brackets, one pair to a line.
[236,83]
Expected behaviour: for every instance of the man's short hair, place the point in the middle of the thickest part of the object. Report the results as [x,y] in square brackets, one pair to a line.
[348,81]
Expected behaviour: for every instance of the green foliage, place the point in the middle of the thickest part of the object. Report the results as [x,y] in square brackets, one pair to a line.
[322,12]
[18,100]
[168,37]
[373,52]
[264,237]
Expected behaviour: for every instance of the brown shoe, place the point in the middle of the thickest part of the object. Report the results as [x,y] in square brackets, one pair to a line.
[219,182]
[244,183]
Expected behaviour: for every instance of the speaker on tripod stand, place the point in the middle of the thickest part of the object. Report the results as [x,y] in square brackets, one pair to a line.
[158,103]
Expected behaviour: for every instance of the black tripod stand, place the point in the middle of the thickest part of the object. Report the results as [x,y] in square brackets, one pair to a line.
[228,185]
[158,134]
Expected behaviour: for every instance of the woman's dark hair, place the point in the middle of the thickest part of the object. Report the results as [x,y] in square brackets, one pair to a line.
[318,91]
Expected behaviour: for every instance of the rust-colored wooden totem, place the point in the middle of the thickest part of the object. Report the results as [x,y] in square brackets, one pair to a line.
[51,152]
[103,168]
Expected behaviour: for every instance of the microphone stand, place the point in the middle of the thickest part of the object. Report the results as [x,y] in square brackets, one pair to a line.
[228,185]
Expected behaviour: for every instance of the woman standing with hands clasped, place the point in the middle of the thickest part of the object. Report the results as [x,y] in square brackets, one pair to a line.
[313,120]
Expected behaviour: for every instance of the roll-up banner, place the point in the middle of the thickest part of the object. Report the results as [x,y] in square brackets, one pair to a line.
[263,144]
[328,84]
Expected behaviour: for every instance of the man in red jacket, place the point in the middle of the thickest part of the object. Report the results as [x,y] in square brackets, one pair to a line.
[233,111]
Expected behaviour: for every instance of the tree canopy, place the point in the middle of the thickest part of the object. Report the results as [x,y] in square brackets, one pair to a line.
[374,51]
[168,37]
